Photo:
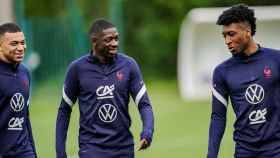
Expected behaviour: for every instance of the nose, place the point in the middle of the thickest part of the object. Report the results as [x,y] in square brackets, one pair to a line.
[115,43]
[227,40]
[21,47]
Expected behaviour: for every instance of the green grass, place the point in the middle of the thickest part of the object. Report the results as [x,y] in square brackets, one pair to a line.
[181,128]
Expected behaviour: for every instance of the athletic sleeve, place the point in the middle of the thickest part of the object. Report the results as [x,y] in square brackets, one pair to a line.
[139,94]
[69,96]
[28,122]
[218,115]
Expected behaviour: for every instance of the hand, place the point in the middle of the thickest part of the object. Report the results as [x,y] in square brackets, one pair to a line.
[144,144]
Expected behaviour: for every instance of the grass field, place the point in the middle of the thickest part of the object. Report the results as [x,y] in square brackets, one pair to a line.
[181,128]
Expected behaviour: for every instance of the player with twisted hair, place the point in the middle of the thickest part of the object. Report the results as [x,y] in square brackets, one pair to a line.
[250,80]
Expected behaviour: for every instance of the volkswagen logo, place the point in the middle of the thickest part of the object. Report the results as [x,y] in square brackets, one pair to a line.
[254,94]
[17,102]
[107,113]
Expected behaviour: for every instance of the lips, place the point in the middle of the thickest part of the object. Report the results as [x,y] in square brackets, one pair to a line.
[231,49]
[19,55]
[113,51]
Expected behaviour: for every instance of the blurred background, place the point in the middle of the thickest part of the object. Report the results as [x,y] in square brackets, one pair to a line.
[56,33]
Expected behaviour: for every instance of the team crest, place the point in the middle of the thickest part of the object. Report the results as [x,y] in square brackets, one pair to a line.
[119,75]
[267,72]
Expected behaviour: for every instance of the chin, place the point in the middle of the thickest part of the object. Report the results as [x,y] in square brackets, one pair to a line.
[233,52]
[18,61]
[113,54]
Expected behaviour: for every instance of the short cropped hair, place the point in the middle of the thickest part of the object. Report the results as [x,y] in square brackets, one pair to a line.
[238,13]
[10,28]
[99,25]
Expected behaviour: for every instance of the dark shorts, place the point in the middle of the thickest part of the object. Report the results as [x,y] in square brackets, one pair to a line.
[242,152]
[101,152]
[19,156]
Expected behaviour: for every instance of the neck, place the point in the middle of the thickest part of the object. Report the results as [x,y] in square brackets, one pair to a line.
[251,49]
[102,59]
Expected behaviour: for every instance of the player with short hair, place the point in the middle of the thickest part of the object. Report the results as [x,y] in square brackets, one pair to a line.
[250,79]
[16,140]
[103,81]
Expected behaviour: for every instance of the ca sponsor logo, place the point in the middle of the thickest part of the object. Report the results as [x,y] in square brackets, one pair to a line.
[15,123]
[258,116]
[17,102]
[104,92]
[254,94]
[107,113]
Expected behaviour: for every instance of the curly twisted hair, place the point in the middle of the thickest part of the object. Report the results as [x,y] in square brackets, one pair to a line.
[236,14]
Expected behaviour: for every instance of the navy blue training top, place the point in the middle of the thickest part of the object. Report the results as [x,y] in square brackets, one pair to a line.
[252,83]
[103,92]
[15,128]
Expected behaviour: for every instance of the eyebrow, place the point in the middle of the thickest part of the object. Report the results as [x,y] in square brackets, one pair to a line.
[226,32]
[108,36]
[17,41]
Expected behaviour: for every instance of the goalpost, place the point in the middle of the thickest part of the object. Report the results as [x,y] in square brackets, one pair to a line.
[201,47]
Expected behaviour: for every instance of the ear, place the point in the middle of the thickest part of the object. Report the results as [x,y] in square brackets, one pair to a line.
[247,28]
[248,31]
[93,39]
[1,42]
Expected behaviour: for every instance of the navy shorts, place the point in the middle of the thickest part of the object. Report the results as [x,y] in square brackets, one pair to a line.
[101,152]
[241,152]
[19,156]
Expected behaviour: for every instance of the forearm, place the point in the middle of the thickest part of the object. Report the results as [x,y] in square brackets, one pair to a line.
[219,110]
[62,124]
[31,135]
[147,117]
[216,132]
